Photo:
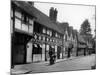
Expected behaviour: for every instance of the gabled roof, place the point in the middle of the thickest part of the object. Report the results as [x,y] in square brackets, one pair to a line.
[24,6]
[63,26]
[81,39]
[40,17]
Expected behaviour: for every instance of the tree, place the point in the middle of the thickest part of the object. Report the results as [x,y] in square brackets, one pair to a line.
[85,31]
[85,28]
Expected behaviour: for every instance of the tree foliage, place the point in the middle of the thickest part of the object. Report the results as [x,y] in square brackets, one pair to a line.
[85,30]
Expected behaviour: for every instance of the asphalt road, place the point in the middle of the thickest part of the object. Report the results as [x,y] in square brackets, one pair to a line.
[80,63]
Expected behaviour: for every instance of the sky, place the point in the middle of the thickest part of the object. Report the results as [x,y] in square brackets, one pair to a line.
[73,14]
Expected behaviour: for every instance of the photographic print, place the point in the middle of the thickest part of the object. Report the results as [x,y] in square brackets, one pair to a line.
[52,37]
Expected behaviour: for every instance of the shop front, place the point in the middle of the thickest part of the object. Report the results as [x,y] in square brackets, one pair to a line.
[19,48]
[37,52]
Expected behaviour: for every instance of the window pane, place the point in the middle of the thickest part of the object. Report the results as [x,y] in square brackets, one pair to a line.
[48,32]
[30,29]
[47,47]
[31,21]
[44,38]
[17,13]
[25,27]
[44,30]
[17,23]
[39,37]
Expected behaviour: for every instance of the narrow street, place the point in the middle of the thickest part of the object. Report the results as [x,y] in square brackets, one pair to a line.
[79,63]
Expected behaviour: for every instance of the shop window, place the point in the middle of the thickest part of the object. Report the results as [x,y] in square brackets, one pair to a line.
[35,45]
[55,48]
[37,49]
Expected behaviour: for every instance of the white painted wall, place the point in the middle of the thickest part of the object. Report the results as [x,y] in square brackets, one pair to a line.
[29,52]
[43,52]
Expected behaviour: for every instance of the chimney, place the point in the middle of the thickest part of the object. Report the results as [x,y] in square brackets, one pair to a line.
[53,14]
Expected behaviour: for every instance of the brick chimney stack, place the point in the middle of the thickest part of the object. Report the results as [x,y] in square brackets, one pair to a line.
[53,14]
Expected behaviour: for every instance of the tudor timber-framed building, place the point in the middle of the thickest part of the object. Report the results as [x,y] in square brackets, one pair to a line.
[33,34]
[21,33]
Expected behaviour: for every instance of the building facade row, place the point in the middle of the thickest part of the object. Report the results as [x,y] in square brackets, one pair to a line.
[33,34]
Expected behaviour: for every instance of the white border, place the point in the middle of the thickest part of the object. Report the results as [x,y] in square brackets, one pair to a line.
[5,36]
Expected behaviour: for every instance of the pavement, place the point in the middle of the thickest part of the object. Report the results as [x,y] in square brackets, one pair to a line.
[73,63]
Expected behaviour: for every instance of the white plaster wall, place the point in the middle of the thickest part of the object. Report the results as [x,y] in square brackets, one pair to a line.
[43,52]
[29,52]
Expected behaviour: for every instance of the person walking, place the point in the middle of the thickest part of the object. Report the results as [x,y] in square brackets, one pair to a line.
[52,57]
[69,50]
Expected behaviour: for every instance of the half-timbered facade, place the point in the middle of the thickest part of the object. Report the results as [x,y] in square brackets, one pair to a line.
[22,23]
[33,34]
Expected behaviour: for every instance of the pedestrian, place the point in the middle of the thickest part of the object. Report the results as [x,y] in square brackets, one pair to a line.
[70,50]
[52,57]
